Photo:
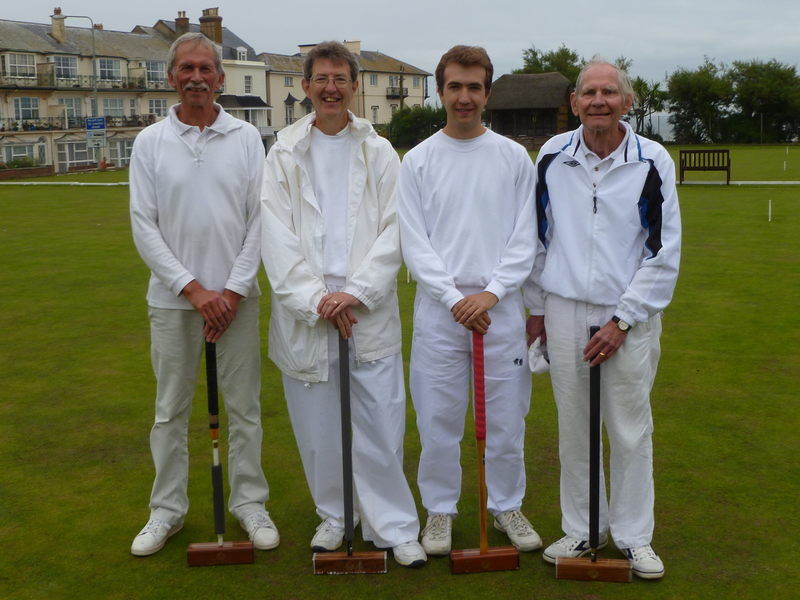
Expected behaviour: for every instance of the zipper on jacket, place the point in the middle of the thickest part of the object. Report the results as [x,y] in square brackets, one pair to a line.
[594,204]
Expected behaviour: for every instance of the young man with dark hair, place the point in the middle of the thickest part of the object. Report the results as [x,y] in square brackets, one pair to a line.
[466,212]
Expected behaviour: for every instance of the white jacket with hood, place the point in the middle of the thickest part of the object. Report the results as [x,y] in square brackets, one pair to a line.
[292,251]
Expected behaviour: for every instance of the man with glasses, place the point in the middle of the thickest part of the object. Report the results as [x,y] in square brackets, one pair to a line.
[331,249]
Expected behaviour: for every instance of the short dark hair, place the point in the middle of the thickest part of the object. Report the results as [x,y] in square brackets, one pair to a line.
[466,56]
[333,51]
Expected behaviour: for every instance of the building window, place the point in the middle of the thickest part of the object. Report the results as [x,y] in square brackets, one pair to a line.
[21,65]
[288,81]
[416,106]
[66,67]
[374,114]
[289,114]
[241,53]
[17,151]
[394,80]
[108,69]
[112,107]
[248,84]
[373,79]
[157,107]
[394,109]
[73,106]
[120,152]
[26,108]
[415,82]
[134,111]
[72,154]
[156,71]
[74,112]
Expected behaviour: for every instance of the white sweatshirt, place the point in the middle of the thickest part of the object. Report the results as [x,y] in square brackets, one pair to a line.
[466,211]
[195,209]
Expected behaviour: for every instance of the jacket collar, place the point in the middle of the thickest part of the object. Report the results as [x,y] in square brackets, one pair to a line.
[297,137]
[632,150]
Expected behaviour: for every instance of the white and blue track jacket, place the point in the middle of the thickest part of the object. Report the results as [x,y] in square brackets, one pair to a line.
[616,244]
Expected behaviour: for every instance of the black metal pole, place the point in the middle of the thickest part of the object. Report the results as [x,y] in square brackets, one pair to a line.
[594,454]
[213,425]
[347,442]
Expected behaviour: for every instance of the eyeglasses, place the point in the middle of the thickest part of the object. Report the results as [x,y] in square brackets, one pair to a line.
[322,80]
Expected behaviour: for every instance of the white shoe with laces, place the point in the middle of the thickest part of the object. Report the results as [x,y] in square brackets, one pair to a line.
[645,562]
[261,530]
[410,554]
[519,530]
[153,536]
[437,537]
[329,536]
[569,547]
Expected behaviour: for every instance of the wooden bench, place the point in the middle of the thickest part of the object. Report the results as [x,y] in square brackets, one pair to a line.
[705,160]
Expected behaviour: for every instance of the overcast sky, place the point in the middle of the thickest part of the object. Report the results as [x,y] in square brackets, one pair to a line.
[658,36]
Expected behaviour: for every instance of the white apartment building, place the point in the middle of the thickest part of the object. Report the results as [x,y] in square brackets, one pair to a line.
[53,76]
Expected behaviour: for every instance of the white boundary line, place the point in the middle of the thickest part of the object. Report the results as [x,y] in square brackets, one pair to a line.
[82,183]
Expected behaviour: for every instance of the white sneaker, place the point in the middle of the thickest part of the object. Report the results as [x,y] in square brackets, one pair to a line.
[569,547]
[152,537]
[519,530]
[410,554]
[329,536]
[645,562]
[261,530]
[437,537]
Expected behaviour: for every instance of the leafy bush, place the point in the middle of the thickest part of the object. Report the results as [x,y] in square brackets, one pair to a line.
[409,126]
[21,163]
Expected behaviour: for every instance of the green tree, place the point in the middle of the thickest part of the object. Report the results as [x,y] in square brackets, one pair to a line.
[648,98]
[563,60]
[766,98]
[409,126]
[700,101]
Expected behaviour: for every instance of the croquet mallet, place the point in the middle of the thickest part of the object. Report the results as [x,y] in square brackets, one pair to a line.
[219,552]
[348,562]
[483,559]
[592,568]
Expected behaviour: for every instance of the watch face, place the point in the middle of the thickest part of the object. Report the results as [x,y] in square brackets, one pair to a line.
[623,325]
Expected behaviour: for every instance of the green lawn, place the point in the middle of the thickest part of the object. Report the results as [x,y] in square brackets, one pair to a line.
[77,404]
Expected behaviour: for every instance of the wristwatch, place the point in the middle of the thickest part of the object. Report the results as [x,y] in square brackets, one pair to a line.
[622,325]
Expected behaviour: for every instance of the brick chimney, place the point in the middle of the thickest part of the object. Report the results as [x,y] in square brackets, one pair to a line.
[211,24]
[181,23]
[98,26]
[57,28]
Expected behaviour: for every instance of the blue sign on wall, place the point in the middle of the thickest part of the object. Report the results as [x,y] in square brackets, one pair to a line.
[94,123]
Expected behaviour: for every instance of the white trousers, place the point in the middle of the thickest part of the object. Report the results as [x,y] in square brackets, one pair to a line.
[626,380]
[176,347]
[381,495]
[440,374]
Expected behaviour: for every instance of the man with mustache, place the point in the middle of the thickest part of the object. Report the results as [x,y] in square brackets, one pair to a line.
[608,255]
[331,249]
[465,204]
[195,179]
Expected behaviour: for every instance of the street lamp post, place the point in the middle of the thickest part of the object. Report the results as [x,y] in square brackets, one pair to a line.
[93,103]
[94,56]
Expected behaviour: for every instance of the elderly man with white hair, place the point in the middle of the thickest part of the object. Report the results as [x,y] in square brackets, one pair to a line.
[609,236]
